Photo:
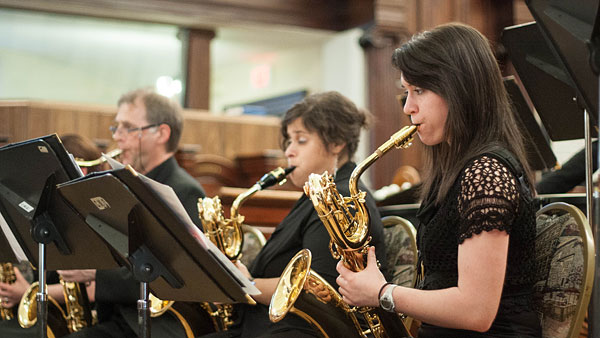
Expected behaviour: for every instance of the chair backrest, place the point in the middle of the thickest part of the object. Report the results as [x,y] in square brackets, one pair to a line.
[565,269]
[254,240]
[401,247]
[214,172]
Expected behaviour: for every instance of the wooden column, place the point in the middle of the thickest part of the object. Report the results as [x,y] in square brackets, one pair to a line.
[396,21]
[389,118]
[197,93]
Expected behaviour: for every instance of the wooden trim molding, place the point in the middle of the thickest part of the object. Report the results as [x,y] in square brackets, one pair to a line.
[334,15]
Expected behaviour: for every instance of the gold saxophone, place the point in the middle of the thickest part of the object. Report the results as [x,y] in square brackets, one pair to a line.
[7,275]
[112,154]
[227,234]
[305,293]
[77,316]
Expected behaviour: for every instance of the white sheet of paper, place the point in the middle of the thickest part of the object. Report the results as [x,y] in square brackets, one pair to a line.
[114,164]
[75,165]
[12,240]
[168,196]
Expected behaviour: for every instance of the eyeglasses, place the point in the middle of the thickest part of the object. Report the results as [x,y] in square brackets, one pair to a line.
[115,129]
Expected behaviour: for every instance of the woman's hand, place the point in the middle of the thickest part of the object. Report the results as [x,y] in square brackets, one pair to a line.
[361,288]
[243,269]
[11,294]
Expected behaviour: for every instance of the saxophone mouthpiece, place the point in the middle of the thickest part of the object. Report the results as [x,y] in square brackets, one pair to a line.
[275,176]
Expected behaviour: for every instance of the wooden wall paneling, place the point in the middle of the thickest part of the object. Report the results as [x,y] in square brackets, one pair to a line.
[430,13]
[230,136]
[521,13]
[248,140]
[206,133]
[330,15]
[395,15]
[226,136]
[39,123]
[389,117]
[13,115]
[100,123]
[65,121]
[398,20]
[21,120]
[5,125]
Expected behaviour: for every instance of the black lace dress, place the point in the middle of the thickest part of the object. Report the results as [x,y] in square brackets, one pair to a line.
[490,193]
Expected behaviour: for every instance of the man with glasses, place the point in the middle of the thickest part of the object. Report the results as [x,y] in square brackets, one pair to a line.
[147,129]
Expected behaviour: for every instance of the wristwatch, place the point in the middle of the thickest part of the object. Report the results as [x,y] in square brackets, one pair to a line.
[387,300]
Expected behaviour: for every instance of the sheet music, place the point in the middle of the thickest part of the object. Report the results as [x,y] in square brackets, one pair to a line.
[75,165]
[168,196]
[114,164]
[247,285]
[12,240]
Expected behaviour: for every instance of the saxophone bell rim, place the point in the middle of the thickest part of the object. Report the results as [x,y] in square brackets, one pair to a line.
[276,311]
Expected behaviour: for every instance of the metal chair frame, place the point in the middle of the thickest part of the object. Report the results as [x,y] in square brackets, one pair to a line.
[585,232]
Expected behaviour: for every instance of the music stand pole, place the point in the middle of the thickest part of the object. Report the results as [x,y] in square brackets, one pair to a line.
[589,171]
[42,295]
[143,307]
[594,307]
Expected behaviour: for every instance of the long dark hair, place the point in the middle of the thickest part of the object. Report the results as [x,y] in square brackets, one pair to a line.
[456,62]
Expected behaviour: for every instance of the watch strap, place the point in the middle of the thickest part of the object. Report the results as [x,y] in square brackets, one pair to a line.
[388,297]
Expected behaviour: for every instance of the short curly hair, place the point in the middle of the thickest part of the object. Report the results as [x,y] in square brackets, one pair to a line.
[332,116]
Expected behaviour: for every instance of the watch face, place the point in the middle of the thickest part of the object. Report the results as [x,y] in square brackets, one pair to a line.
[387,300]
[386,303]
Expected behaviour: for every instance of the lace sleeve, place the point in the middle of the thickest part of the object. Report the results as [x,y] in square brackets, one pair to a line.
[488,198]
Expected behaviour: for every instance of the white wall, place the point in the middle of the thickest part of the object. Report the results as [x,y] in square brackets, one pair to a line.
[68,58]
[292,70]
[563,150]
[65,58]
[344,70]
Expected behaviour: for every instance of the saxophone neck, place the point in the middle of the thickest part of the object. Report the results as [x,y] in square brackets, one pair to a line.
[401,139]
[240,199]
[112,154]
[276,176]
[358,171]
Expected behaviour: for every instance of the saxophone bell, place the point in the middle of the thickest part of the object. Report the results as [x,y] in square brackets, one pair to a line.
[347,222]
[77,316]
[227,234]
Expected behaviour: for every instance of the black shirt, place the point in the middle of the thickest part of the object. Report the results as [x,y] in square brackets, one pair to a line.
[486,196]
[302,228]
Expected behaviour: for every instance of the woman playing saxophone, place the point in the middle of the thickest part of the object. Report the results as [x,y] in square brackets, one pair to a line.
[320,134]
[477,219]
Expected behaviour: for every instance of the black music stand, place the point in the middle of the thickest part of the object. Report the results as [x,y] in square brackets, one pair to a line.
[145,223]
[546,81]
[539,151]
[571,30]
[39,218]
